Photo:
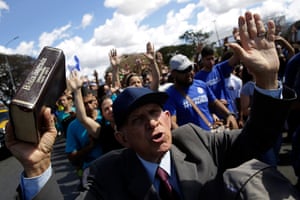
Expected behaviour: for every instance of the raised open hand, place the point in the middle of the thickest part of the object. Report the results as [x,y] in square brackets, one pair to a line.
[74,81]
[113,58]
[258,52]
[150,54]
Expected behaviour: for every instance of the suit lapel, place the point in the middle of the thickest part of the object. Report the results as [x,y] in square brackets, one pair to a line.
[139,185]
[187,175]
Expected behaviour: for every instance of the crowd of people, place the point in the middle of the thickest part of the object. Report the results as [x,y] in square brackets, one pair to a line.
[195,118]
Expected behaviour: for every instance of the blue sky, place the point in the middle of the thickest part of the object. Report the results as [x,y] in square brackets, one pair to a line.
[89,29]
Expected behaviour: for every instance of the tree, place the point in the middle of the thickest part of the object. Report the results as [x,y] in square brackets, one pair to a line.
[195,38]
[13,71]
[169,51]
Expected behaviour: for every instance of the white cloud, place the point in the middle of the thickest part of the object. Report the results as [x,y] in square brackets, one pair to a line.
[216,18]
[47,39]
[126,31]
[86,20]
[3,5]
[292,10]
[177,23]
[119,30]
[219,6]
[92,57]
[183,1]
[27,48]
[137,8]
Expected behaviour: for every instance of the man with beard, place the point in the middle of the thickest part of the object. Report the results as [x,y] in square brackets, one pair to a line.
[185,86]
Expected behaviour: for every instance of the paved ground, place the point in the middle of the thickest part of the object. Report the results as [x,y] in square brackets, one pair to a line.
[284,165]
[64,171]
[10,170]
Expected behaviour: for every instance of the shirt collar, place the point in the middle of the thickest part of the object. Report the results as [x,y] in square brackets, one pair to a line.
[151,167]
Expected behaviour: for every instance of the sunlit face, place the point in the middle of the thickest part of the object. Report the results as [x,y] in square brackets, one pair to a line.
[135,81]
[159,57]
[185,77]
[106,108]
[66,101]
[148,131]
[63,101]
[208,61]
[90,103]
[164,75]
[147,79]
[108,78]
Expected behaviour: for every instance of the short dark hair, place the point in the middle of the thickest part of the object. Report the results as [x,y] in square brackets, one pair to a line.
[207,51]
[86,91]
[128,77]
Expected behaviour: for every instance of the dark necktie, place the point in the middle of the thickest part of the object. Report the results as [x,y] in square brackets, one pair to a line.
[166,191]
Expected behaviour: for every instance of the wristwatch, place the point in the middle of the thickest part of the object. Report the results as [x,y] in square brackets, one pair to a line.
[230,113]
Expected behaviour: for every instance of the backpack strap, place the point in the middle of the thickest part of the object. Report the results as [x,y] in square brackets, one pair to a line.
[200,113]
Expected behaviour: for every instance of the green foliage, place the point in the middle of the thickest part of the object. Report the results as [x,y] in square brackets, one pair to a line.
[195,38]
[169,51]
[19,66]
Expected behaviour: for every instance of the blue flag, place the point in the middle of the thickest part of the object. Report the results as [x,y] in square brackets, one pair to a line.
[74,66]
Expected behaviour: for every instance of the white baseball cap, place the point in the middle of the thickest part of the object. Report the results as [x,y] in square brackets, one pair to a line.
[180,62]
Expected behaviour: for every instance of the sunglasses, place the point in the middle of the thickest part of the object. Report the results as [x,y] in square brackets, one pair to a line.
[89,102]
[187,70]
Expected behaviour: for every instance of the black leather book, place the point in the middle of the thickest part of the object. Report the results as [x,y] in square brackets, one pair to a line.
[42,87]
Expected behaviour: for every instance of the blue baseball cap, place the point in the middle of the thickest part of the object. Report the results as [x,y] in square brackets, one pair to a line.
[132,98]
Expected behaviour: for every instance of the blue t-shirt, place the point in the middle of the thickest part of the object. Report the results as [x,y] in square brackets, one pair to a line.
[248,90]
[215,79]
[178,105]
[61,115]
[77,138]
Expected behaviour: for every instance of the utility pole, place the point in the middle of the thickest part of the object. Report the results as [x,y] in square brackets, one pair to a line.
[8,66]
[217,34]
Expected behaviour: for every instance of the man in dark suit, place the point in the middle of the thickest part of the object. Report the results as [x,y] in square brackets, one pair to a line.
[193,158]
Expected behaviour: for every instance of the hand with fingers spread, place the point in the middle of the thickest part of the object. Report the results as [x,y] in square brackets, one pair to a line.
[149,48]
[258,52]
[150,54]
[115,64]
[74,81]
[113,58]
[35,158]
